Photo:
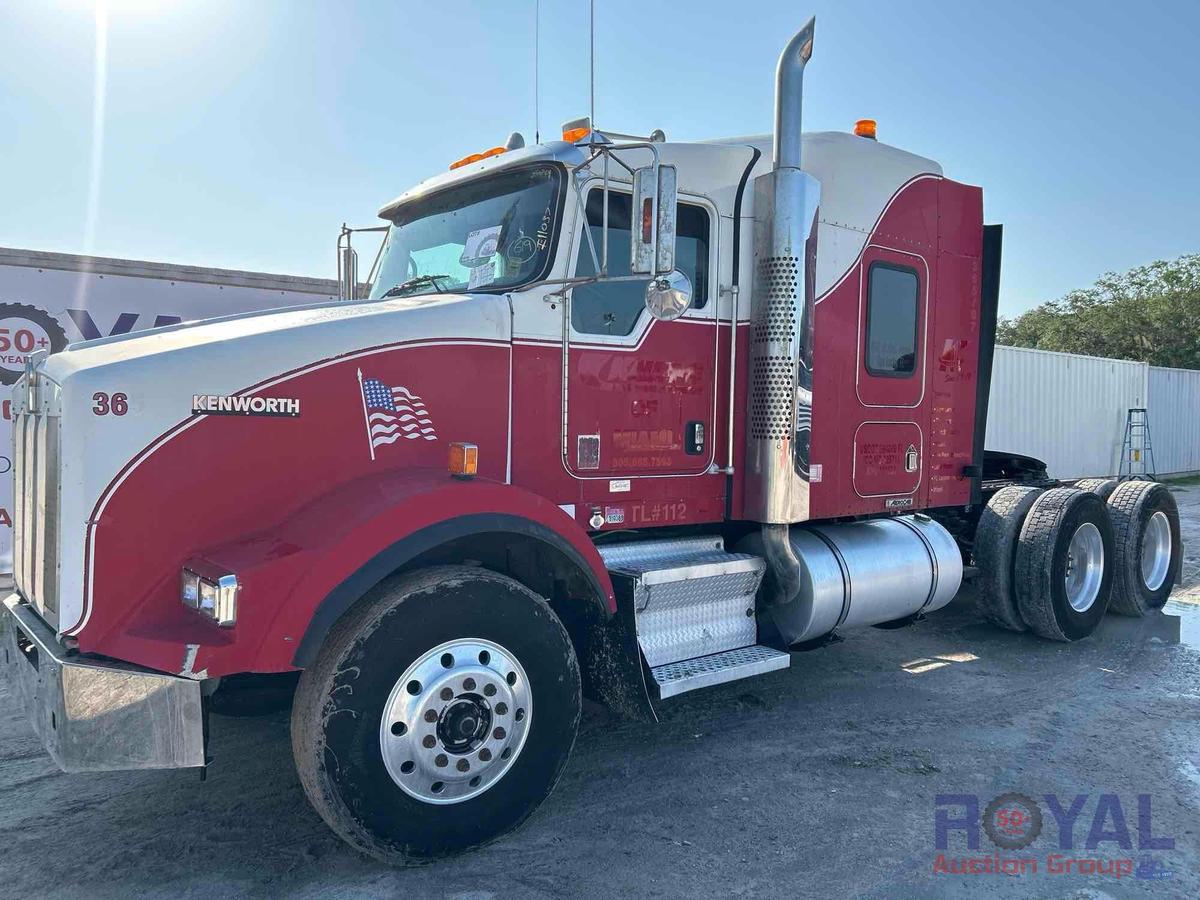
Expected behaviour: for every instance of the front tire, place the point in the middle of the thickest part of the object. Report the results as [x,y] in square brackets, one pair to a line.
[1064,569]
[438,715]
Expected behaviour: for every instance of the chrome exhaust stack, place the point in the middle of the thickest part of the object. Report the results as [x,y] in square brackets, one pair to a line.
[780,376]
[789,96]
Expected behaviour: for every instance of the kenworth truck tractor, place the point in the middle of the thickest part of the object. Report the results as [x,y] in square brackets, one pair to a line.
[618,416]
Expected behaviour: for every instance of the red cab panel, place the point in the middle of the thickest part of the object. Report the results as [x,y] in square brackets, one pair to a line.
[887,459]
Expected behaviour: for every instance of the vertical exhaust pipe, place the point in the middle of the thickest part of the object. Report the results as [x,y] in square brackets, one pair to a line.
[780,390]
[789,96]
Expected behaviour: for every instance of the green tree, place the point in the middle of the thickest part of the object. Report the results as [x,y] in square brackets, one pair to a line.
[1151,314]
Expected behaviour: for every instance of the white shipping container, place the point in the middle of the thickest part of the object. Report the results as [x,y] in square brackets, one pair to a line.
[1175,420]
[1067,410]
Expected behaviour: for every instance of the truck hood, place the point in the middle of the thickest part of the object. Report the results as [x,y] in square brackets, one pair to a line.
[293,334]
[118,398]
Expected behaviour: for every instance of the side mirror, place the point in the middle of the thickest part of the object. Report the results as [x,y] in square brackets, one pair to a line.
[669,296]
[652,237]
[347,272]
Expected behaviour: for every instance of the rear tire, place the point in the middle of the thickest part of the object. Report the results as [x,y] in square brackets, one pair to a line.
[1101,487]
[438,715]
[995,553]
[1148,546]
[1064,569]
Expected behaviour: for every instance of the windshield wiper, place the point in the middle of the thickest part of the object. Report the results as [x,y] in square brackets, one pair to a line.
[420,281]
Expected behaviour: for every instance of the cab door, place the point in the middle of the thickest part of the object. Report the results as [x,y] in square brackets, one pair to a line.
[890,377]
[640,392]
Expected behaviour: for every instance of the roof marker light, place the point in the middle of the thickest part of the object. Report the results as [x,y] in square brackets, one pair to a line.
[476,157]
[865,128]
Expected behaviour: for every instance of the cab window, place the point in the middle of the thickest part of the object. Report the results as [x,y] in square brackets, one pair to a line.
[614,307]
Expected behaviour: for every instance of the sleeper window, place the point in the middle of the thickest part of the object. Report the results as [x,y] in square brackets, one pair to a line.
[892,305]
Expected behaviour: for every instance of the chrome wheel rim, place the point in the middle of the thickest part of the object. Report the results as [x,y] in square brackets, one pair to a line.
[1085,567]
[455,721]
[1156,551]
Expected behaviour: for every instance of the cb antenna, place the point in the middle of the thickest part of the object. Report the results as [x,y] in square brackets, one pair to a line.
[592,66]
[537,135]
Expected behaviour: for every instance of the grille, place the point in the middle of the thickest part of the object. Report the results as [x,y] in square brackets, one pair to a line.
[772,367]
[35,499]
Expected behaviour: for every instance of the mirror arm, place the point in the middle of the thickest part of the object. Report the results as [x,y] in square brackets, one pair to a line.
[607,152]
[622,164]
[604,224]
[587,228]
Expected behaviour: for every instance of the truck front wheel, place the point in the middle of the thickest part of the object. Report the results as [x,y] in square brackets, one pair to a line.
[438,715]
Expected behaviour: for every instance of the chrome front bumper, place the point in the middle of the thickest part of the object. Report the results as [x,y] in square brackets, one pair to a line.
[98,715]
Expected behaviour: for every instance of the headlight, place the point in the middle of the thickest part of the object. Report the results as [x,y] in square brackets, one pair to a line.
[208,590]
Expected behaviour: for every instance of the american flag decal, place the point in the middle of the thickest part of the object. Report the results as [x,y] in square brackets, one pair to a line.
[391,413]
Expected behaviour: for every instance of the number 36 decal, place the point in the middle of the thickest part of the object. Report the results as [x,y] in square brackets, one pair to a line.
[117,404]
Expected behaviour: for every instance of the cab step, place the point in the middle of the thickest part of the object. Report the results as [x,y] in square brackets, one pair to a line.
[693,604]
[704,671]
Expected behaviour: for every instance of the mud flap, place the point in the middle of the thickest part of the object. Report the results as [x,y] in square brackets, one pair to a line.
[615,666]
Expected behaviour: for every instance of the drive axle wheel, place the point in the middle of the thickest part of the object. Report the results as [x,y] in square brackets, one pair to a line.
[438,715]
[995,552]
[1101,487]
[1064,569]
[1148,549]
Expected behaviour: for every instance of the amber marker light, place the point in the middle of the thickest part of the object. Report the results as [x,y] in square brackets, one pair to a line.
[464,459]
[865,128]
[476,157]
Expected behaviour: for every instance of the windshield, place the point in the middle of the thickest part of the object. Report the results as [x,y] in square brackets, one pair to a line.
[489,234]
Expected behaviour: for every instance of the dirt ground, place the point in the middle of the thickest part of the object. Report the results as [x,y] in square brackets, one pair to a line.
[816,781]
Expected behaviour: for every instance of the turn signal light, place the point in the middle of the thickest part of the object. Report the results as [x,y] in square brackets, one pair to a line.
[476,157]
[865,128]
[464,459]
[575,134]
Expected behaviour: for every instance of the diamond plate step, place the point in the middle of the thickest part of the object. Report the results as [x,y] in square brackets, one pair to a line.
[717,668]
[690,597]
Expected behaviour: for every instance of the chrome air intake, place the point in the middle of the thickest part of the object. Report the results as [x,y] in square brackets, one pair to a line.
[785,206]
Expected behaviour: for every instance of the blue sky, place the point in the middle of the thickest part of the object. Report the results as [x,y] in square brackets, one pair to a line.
[241,134]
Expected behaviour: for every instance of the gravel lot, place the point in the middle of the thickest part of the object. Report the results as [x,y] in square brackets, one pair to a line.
[816,781]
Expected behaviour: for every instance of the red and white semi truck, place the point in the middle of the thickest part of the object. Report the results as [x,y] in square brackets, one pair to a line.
[619,416]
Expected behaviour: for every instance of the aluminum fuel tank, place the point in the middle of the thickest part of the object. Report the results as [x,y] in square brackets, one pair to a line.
[865,573]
